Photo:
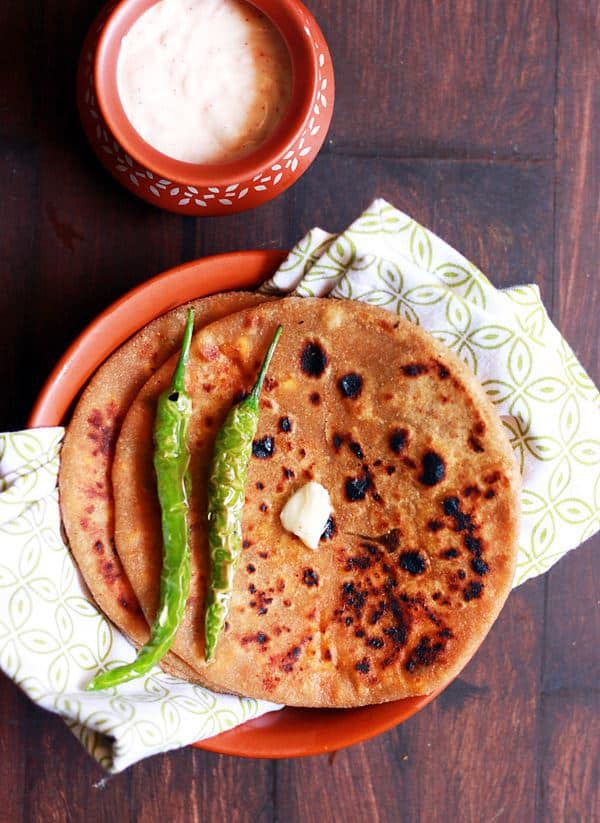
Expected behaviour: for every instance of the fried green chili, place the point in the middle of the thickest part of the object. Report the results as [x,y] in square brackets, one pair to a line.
[226,491]
[171,465]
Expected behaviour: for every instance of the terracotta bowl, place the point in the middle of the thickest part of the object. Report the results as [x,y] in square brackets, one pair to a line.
[195,189]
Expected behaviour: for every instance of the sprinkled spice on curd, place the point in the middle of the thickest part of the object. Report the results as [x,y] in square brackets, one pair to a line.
[204,81]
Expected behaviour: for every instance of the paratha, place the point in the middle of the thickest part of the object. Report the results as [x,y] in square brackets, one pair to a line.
[86,499]
[420,552]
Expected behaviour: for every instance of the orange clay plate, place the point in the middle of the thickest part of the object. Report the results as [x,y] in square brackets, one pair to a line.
[289,732]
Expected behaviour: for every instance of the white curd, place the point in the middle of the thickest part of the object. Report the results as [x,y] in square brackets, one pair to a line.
[204,81]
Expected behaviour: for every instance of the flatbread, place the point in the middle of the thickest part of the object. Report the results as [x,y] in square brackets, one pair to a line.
[86,499]
[425,491]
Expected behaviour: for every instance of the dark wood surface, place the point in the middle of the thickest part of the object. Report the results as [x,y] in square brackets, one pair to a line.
[478,117]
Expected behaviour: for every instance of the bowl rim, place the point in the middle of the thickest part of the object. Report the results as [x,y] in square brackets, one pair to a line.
[279,734]
[289,17]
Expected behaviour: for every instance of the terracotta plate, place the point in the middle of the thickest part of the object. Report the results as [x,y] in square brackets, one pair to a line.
[289,732]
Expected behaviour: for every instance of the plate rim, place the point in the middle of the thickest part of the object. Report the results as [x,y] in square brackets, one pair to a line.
[263,737]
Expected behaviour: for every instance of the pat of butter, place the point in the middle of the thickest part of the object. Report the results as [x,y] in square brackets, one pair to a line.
[306,513]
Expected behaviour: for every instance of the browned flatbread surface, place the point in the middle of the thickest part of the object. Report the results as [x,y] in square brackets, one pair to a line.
[86,498]
[425,491]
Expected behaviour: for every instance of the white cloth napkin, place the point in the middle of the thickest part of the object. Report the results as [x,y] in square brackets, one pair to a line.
[53,639]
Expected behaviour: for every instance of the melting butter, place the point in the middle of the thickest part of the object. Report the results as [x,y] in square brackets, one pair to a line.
[306,513]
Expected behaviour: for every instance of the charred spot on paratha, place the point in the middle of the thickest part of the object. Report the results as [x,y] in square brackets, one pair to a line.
[413,562]
[263,448]
[357,487]
[414,369]
[350,385]
[434,469]
[260,601]
[356,449]
[285,424]
[310,577]
[260,637]
[479,566]
[375,642]
[390,540]
[462,521]
[329,529]
[353,598]
[315,398]
[476,444]
[102,430]
[473,590]
[313,359]
[398,440]
[424,654]
[291,657]
[109,572]
[473,544]
[359,561]
[435,526]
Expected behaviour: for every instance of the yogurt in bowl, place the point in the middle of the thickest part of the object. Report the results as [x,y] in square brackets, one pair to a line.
[204,81]
[205,107]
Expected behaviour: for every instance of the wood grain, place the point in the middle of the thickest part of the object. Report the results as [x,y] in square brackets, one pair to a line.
[479,118]
[14,743]
[569,788]
[459,78]
[19,183]
[569,748]
[17,70]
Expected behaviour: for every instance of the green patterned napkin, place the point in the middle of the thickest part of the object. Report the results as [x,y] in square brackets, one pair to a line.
[53,639]
[547,402]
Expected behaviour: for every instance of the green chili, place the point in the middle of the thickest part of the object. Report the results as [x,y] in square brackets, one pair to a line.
[226,491]
[171,464]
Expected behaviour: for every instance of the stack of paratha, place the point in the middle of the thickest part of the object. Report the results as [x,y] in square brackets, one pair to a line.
[418,556]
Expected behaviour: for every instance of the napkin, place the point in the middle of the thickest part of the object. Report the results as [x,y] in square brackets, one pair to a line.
[52,637]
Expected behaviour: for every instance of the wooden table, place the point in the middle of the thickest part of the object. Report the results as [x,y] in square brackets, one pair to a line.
[479,118]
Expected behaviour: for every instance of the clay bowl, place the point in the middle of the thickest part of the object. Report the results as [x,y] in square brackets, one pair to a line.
[190,188]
